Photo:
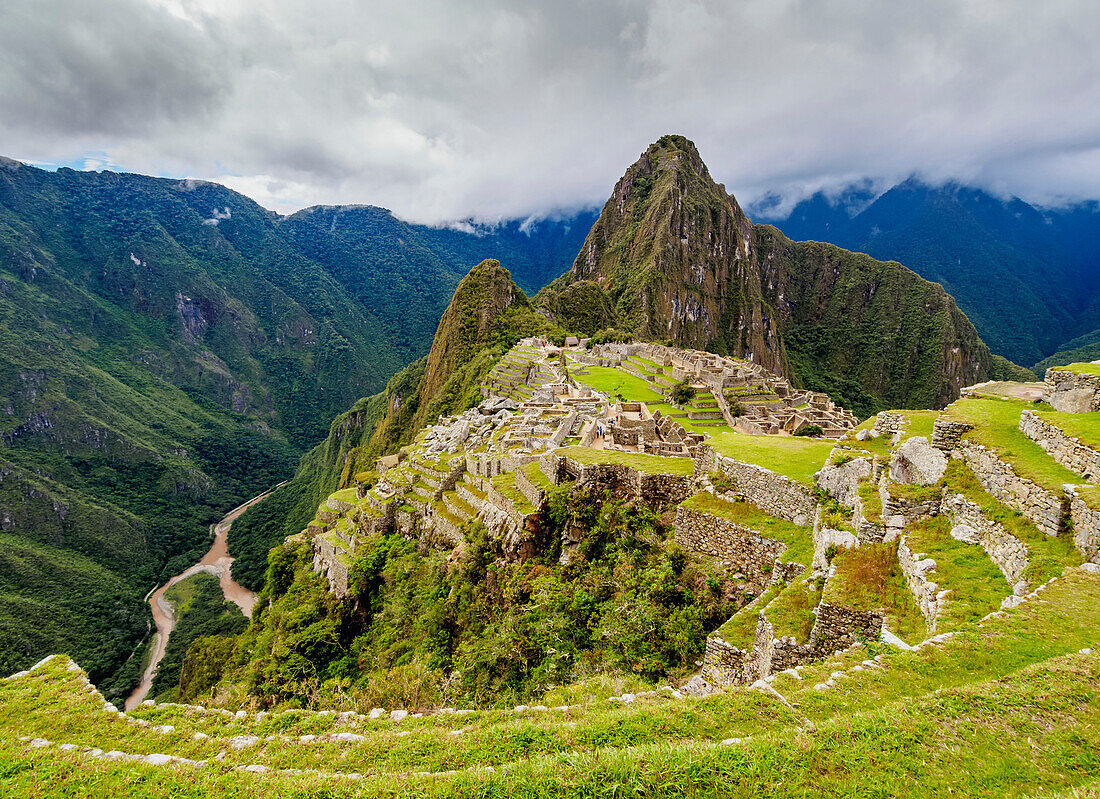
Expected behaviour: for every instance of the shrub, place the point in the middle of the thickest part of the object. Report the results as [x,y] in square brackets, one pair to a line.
[682,393]
[809,430]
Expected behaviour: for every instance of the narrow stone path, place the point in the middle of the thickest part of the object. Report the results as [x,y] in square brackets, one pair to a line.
[217,562]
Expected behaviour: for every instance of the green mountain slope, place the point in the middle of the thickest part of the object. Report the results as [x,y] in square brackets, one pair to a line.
[678,260]
[1027,277]
[168,349]
[487,314]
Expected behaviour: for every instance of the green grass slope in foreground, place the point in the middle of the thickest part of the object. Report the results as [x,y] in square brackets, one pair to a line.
[1008,707]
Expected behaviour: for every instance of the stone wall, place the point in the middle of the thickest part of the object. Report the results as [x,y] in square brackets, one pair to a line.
[772,493]
[1007,552]
[838,627]
[1065,449]
[887,424]
[899,512]
[772,654]
[1070,392]
[725,664]
[929,598]
[946,434]
[1039,505]
[326,561]
[1086,526]
[620,479]
[533,493]
[737,546]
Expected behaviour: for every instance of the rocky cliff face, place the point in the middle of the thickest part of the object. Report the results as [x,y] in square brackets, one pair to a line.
[677,259]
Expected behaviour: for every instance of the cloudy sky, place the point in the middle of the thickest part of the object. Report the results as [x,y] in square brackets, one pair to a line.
[447,109]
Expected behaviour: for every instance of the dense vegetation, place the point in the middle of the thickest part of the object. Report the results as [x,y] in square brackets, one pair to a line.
[1027,277]
[486,316]
[169,349]
[425,628]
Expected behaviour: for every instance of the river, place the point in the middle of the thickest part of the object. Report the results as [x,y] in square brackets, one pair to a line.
[217,562]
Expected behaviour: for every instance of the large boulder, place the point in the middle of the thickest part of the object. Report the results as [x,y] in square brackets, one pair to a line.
[917,462]
[842,480]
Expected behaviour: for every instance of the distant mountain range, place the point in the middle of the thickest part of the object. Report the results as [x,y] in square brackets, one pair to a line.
[169,348]
[1027,277]
[674,258]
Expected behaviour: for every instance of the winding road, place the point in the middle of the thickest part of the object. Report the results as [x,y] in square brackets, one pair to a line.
[216,562]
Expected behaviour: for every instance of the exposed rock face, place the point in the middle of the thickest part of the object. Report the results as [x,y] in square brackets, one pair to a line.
[676,258]
[917,461]
[842,481]
[1070,392]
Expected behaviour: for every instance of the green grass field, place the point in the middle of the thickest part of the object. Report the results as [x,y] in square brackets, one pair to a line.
[1083,426]
[996,425]
[1005,709]
[618,382]
[797,458]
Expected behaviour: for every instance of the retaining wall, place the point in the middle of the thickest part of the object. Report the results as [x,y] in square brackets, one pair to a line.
[1086,526]
[738,546]
[1036,503]
[1065,449]
[1007,552]
[772,493]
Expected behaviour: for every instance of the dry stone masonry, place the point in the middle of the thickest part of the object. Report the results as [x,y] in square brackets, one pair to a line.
[1064,449]
[1043,508]
[772,493]
[1071,392]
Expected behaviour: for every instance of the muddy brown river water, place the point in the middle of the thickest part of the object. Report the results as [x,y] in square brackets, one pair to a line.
[216,562]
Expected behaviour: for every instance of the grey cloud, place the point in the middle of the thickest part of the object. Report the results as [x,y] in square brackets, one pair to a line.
[111,68]
[443,110]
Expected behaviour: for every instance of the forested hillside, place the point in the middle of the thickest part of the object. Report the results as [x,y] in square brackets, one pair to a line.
[1027,277]
[169,349]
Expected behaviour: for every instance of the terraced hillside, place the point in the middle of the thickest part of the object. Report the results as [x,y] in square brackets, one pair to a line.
[564,591]
[1007,707]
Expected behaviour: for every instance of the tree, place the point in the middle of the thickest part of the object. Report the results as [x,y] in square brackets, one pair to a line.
[682,393]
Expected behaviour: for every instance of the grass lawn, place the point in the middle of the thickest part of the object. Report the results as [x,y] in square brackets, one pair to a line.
[506,484]
[797,458]
[1007,709]
[650,464]
[977,586]
[1083,426]
[997,426]
[749,515]
[691,425]
[740,629]
[1081,368]
[791,612]
[616,381]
